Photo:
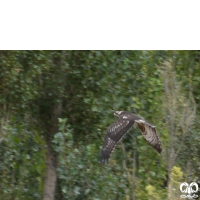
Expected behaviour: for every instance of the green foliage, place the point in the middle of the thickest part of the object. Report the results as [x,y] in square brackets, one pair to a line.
[177,177]
[22,163]
[176,174]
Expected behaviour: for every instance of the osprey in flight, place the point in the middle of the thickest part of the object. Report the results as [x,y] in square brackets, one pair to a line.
[121,126]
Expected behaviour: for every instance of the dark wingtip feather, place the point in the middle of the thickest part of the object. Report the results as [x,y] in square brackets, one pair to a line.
[103,157]
[159,150]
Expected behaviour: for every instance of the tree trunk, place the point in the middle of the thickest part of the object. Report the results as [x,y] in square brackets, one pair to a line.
[169,187]
[50,176]
[51,157]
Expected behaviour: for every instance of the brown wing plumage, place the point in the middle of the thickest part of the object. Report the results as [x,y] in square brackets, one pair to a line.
[149,134]
[113,135]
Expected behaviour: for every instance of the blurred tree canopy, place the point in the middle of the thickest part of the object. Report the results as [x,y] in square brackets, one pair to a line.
[55,107]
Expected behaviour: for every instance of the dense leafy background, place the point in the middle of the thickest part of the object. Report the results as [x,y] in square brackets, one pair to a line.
[90,85]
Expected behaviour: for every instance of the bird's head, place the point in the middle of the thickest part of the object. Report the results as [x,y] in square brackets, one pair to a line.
[117,113]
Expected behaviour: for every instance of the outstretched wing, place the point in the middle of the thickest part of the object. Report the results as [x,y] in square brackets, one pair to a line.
[149,134]
[113,135]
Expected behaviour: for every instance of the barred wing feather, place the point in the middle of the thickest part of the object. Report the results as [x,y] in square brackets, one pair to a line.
[113,135]
[149,134]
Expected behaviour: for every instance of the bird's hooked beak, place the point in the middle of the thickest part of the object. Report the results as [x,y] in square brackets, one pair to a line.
[117,113]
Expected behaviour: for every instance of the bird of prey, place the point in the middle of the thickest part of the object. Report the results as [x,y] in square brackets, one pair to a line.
[120,127]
